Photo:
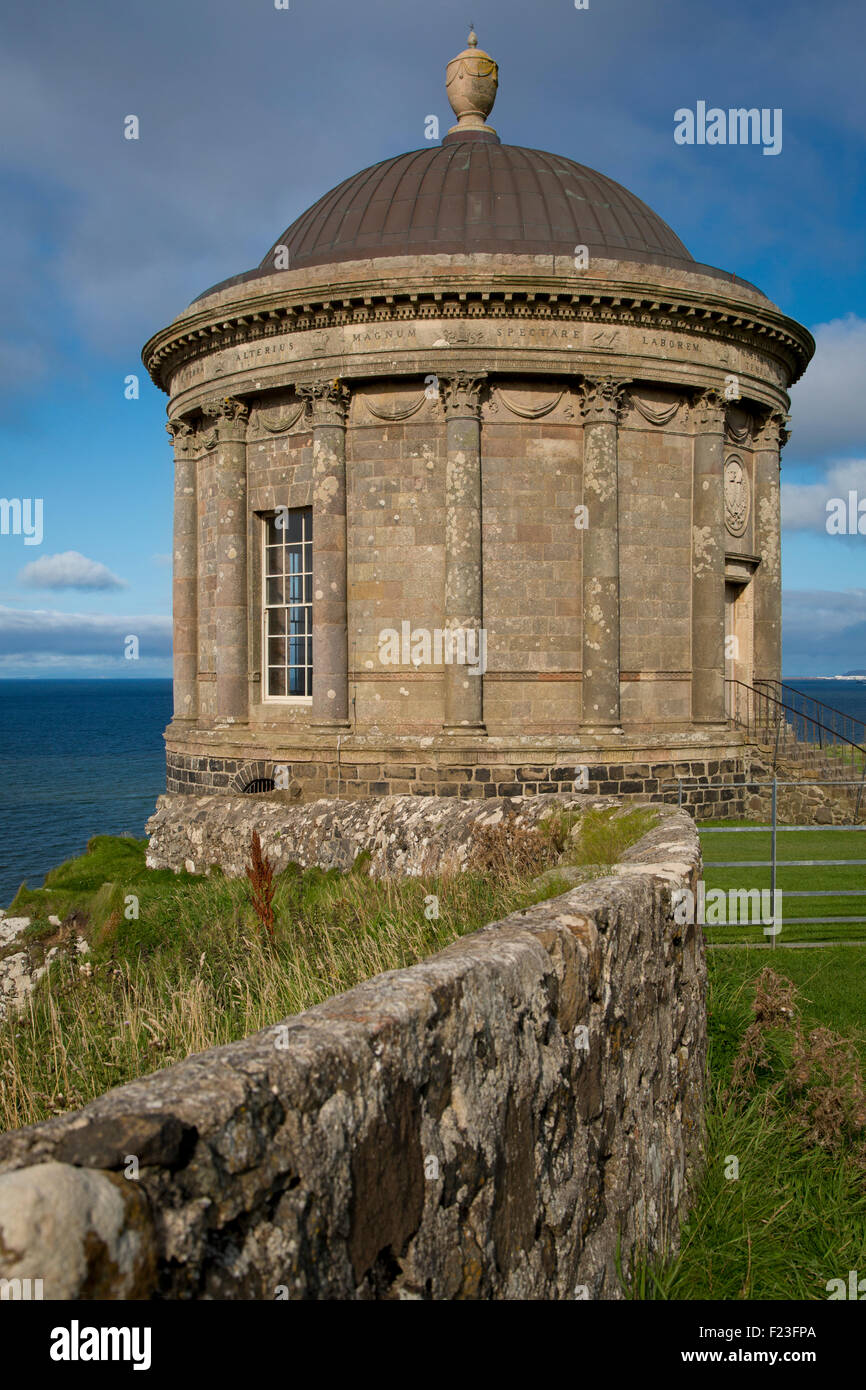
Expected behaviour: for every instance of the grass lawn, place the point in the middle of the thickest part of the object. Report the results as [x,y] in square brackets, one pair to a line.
[180,963]
[795,1217]
[849,881]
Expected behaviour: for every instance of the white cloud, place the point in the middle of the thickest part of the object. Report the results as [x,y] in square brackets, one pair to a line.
[828,407]
[804,505]
[69,570]
[26,632]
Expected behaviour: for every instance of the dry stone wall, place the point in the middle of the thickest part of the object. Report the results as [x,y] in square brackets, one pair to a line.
[488,1124]
[404,835]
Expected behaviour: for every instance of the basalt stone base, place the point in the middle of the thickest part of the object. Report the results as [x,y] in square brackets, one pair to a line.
[708,782]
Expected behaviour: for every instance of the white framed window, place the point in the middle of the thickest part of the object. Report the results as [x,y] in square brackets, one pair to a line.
[287,605]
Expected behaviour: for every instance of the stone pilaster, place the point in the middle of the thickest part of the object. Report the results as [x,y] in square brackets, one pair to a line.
[230,599]
[328,404]
[600,402]
[461,398]
[769,440]
[185,571]
[708,560]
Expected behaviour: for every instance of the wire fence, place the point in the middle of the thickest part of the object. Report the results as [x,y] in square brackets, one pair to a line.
[777,864]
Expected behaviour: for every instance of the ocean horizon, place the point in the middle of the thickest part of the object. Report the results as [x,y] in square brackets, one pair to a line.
[85,756]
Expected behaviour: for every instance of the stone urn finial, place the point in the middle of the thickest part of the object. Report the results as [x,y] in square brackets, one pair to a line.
[471,80]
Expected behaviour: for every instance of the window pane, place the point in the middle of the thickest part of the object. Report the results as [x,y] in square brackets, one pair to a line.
[288,603]
[297,620]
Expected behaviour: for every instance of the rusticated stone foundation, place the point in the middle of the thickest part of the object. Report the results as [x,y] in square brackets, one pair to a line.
[720,791]
[493,1123]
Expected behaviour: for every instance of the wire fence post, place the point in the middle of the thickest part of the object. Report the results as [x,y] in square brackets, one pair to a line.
[680,793]
[773,860]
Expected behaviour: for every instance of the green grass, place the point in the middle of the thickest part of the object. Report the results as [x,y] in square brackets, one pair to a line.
[809,844]
[179,963]
[796,1216]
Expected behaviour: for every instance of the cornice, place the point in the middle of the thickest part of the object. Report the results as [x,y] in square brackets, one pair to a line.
[253,318]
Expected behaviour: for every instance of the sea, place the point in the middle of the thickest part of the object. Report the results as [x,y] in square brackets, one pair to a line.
[77,758]
[81,758]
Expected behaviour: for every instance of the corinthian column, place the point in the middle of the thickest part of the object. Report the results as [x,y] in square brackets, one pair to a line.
[230,599]
[599,405]
[461,398]
[708,561]
[185,571]
[770,438]
[328,403]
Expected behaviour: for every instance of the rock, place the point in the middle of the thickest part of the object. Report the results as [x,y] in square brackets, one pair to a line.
[84,1234]
[405,835]
[109,1143]
[12,927]
[22,971]
[16,982]
[508,1119]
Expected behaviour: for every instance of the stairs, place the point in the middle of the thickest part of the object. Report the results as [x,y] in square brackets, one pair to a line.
[798,739]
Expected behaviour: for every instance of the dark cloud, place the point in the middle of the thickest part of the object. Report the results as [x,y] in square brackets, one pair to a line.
[824,632]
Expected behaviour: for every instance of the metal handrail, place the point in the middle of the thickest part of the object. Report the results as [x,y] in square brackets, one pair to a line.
[770,720]
[780,708]
[829,710]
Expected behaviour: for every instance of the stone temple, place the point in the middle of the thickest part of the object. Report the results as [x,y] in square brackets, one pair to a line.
[477,488]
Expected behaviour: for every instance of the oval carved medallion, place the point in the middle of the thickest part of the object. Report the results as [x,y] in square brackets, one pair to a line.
[737,497]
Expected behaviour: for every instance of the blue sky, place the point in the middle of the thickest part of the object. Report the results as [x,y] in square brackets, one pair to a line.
[249,113]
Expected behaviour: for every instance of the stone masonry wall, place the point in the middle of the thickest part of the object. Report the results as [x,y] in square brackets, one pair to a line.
[712,786]
[405,835]
[488,1124]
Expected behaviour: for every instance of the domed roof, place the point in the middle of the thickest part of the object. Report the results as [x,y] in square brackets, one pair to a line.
[475,194]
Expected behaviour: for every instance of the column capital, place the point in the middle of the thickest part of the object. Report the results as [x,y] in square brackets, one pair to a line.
[461,394]
[326,401]
[601,399]
[709,409]
[182,435]
[229,416]
[771,432]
